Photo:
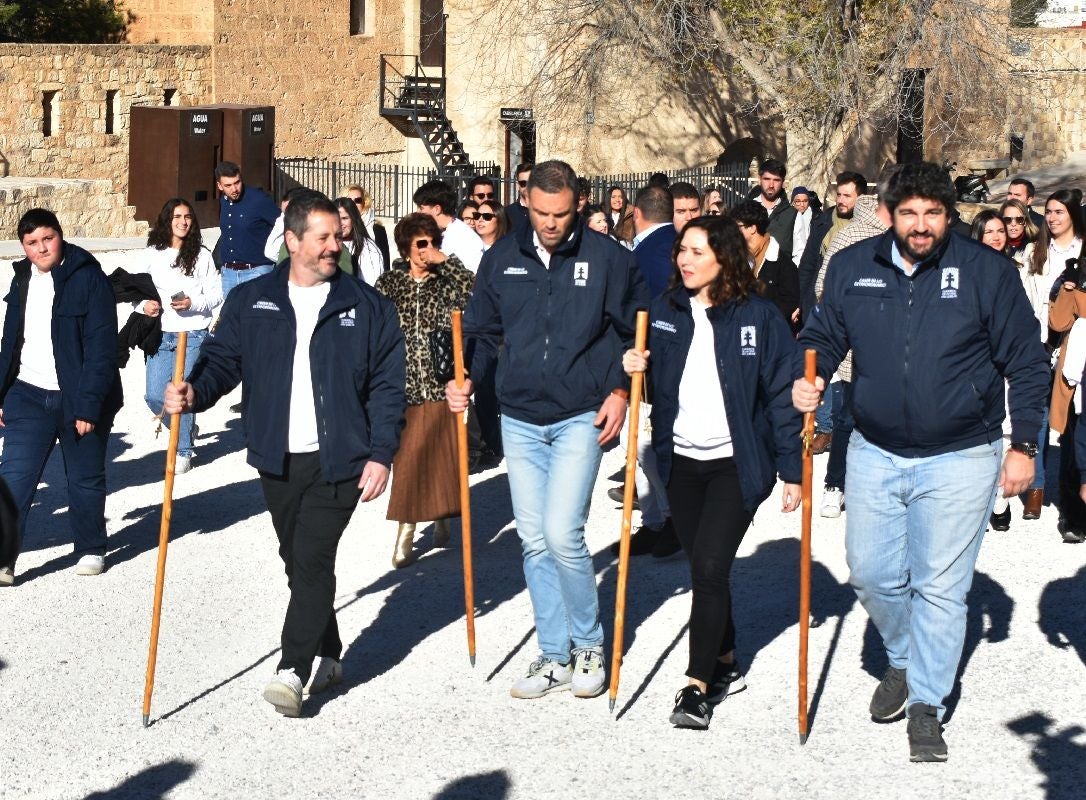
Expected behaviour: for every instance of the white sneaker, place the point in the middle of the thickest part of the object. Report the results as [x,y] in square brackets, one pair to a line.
[589,674]
[544,676]
[91,565]
[7,576]
[833,502]
[285,693]
[328,673]
[182,465]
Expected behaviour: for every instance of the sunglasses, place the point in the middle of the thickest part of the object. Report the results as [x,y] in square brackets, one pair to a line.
[422,244]
[483,196]
[522,184]
[360,201]
[484,216]
[1014,220]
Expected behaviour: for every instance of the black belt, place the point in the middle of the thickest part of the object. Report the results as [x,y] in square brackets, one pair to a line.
[240,265]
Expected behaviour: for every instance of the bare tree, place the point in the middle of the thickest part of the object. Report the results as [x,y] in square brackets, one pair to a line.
[816,69]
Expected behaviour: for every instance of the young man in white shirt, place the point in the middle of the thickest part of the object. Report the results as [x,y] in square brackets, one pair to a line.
[438,200]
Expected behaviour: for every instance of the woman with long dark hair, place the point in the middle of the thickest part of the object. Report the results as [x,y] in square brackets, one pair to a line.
[490,222]
[620,216]
[360,255]
[189,293]
[723,428]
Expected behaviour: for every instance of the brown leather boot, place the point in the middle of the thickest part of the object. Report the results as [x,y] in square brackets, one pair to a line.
[1035,498]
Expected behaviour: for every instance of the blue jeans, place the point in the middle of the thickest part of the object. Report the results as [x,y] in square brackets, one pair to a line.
[914,529]
[831,399]
[160,372]
[236,277]
[842,431]
[552,469]
[33,423]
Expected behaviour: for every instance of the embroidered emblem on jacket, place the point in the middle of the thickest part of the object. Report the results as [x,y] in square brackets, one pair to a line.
[748,340]
[661,325]
[515,271]
[949,283]
[580,273]
[346,319]
[870,283]
[265,305]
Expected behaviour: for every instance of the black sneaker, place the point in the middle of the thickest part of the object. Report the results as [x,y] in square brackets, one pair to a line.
[691,709]
[1070,533]
[1000,522]
[925,734]
[642,541]
[617,493]
[668,544]
[727,679]
[890,696]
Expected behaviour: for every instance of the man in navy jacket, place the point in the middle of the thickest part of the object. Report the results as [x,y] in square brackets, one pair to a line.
[562,299]
[321,360]
[936,323]
[58,381]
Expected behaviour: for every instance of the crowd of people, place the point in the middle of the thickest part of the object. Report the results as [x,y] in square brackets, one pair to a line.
[943,360]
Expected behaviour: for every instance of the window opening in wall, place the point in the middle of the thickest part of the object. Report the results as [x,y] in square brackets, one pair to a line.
[358,17]
[111,110]
[48,113]
[167,96]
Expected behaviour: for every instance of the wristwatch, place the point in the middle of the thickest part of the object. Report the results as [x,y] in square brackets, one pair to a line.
[1025,448]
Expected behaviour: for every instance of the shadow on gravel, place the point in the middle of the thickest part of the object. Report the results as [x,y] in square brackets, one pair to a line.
[1063,614]
[1059,758]
[208,512]
[491,785]
[154,782]
[2,663]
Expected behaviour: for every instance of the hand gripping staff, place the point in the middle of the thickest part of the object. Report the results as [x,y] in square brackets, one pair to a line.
[164,529]
[465,493]
[636,383]
[805,550]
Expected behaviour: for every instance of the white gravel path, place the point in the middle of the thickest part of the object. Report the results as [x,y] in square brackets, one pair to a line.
[414,720]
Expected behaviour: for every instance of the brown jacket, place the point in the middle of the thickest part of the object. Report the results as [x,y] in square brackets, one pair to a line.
[1069,305]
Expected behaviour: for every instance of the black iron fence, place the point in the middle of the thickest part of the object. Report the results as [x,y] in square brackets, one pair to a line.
[391,187]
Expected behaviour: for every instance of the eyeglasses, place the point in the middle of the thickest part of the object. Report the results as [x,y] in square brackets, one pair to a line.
[422,244]
[360,201]
[1014,220]
[522,184]
[483,195]
[484,216]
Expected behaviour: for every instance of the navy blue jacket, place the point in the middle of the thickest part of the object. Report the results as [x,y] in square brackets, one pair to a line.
[757,362]
[810,261]
[564,325]
[84,330]
[245,226]
[931,350]
[356,362]
[653,257]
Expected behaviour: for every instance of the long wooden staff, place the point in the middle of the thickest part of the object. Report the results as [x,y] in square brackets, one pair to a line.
[465,493]
[164,530]
[805,550]
[637,380]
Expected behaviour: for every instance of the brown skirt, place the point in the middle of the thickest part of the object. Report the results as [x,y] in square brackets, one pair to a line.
[425,483]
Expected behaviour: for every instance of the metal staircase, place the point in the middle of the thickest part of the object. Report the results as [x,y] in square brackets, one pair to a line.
[414,102]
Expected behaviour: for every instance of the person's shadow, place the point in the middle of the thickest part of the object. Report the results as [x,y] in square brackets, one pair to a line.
[154,782]
[493,785]
[1063,613]
[1056,754]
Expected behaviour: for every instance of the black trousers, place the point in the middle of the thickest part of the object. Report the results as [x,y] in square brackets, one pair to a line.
[710,521]
[1072,509]
[309,515]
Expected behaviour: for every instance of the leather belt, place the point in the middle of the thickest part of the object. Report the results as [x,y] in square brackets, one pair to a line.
[240,265]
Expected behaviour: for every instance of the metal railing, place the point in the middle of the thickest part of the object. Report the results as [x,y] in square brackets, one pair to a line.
[410,91]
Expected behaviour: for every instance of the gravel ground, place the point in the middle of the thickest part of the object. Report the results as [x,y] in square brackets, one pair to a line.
[414,720]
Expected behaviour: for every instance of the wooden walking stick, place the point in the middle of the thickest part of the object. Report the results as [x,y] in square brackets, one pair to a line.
[636,382]
[805,550]
[164,529]
[465,493]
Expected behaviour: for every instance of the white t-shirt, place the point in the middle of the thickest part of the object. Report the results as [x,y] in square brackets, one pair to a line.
[203,287]
[37,366]
[461,241]
[302,431]
[701,427]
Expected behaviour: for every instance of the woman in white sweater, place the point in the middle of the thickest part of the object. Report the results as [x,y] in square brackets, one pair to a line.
[189,291]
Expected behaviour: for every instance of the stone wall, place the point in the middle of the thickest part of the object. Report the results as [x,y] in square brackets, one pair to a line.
[84,207]
[171,21]
[78,78]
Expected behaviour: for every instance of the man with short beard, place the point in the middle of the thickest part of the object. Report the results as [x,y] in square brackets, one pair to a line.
[562,301]
[935,324]
[850,185]
[770,193]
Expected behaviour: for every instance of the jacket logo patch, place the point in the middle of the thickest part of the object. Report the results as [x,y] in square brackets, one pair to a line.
[346,319]
[660,325]
[580,273]
[515,271]
[748,340]
[870,283]
[949,283]
[265,305]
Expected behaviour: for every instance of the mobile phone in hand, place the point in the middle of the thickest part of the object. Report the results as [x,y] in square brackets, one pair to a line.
[179,296]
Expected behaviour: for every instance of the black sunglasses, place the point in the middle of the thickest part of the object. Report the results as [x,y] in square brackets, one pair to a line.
[485,216]
[422,244]
[1014,220]
[522,184]
[360,201]
[484,196]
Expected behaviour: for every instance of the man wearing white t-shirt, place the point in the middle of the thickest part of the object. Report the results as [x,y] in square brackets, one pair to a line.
[321,360]
[437,199]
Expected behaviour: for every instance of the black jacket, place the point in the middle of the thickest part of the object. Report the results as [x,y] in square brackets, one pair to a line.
[931,350]
[782,219]
[564,325]
[757,361]
[781,285]
[811,260]
[84,330]
[139,330]
[356,362]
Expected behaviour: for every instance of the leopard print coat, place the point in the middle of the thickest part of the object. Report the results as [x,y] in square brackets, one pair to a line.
[425,306]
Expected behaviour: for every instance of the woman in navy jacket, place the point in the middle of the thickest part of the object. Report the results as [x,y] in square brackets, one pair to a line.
[723,428]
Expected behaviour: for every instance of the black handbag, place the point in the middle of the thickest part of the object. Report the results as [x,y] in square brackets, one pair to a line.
[441,354]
